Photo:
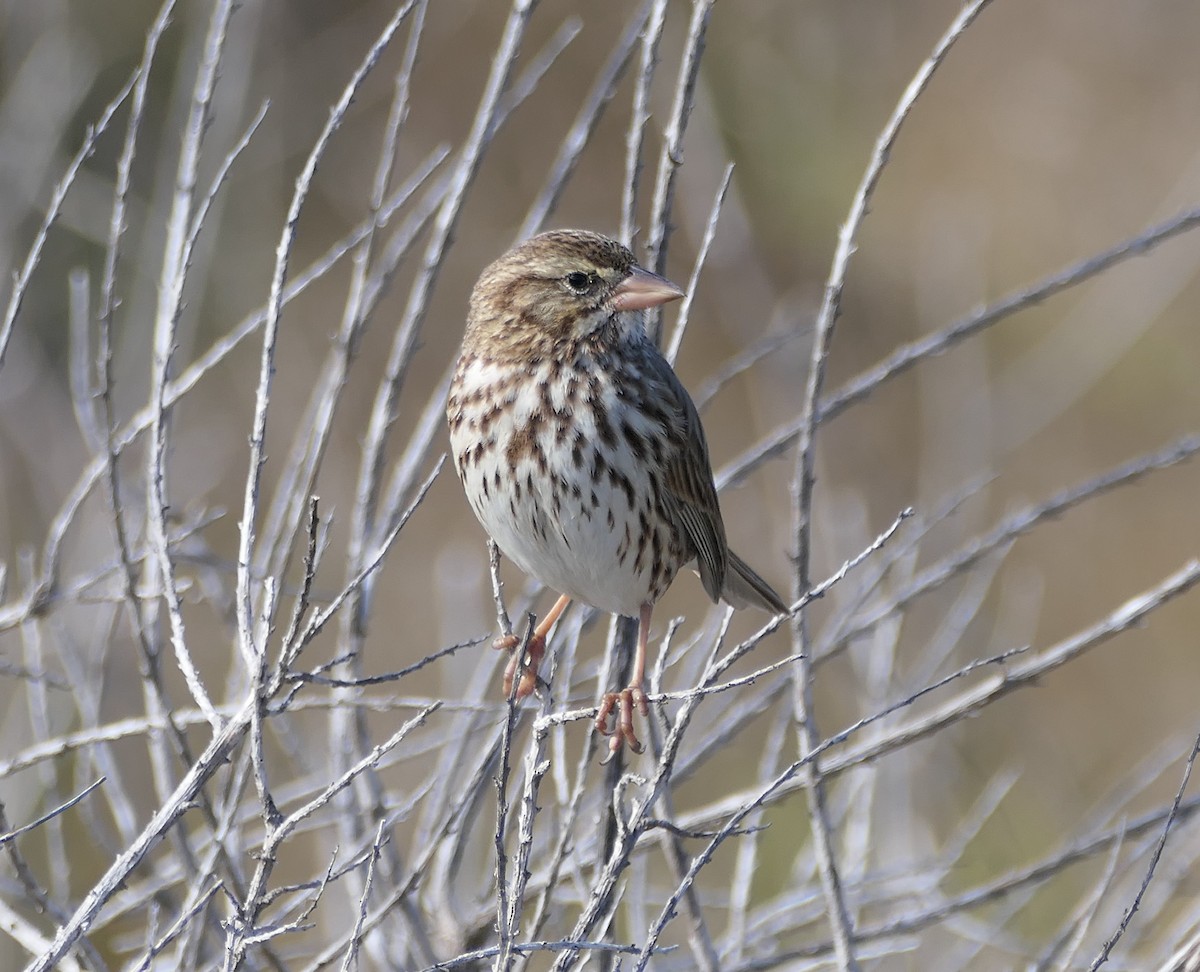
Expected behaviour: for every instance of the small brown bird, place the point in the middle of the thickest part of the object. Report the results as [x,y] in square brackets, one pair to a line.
[579,450]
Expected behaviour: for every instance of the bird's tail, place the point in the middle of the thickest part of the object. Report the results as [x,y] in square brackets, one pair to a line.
[743,588]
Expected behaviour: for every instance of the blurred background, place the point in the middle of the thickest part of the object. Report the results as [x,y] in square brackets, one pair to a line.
[1052,132]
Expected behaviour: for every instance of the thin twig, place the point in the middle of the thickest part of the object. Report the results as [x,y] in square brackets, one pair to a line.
[710,232]
[586,120]
[172,276]
[639,115]
[251,650]
[909,355]
[1110,944]
[658,233]
[53,209]
[50,815]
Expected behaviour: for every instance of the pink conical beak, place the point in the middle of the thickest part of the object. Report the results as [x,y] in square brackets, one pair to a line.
[642,289]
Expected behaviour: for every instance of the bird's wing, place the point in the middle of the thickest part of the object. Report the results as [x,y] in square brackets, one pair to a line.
[687,475]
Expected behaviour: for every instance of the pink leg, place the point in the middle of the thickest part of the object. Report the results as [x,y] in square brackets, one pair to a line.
[537,648]
[633,695]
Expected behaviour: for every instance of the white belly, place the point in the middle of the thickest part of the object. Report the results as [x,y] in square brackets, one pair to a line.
[570,524]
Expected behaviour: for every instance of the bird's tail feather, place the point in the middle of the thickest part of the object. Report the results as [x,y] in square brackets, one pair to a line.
[743,588]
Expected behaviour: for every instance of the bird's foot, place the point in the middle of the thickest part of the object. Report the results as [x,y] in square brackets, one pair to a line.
[528,665]
[623,703]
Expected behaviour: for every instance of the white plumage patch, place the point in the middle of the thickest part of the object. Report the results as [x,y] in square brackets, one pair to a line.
[572,514]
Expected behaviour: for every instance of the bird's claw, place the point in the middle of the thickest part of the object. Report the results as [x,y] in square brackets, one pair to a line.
[528,664]
[622,732]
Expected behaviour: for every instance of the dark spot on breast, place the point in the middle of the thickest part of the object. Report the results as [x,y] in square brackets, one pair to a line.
[656,450]
[488,417]
[520,444]
[654,414]
[626,541]
[637,444]
[627,486]
[537,418]
[657,570]
[604,428]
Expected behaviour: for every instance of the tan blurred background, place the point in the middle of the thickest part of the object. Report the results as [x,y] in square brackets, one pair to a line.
[1053,131]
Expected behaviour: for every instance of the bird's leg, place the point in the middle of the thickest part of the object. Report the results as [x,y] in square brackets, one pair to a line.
[633,695]
[537,648]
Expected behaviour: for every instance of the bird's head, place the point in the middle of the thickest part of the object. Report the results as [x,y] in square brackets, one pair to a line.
[560,286]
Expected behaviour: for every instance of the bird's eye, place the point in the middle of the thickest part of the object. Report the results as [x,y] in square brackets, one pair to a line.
[579,281]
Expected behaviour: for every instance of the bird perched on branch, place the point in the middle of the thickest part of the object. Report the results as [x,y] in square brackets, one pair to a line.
[581,452]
